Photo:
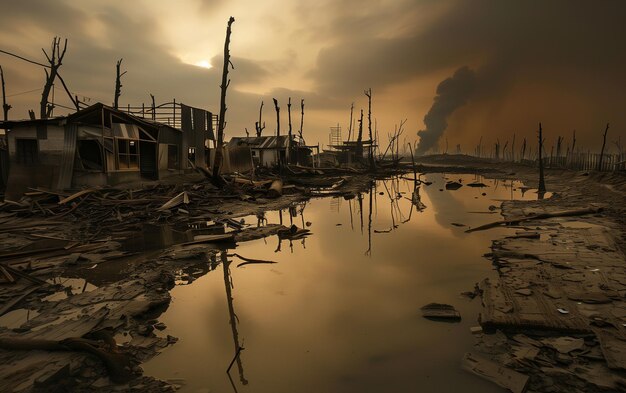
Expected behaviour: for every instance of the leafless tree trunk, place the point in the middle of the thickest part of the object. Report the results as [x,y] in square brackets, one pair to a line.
[301,118]
[368,94]
[359,140]
[513,149]
[606,130]
[153,107]
[55,59]
[277,131]
[118,83]
[217,162]
[289,133]
[259,128]
[5,107]
[350,125]
[542,184]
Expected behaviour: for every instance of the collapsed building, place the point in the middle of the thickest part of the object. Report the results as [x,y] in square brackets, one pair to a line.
[104,146]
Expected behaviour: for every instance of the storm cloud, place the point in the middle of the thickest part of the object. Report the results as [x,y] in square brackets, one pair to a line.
[559,62]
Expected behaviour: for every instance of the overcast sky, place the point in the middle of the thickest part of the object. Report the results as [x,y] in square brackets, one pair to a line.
[560,62]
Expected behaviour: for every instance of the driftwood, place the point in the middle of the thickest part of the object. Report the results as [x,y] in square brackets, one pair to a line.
[541,216]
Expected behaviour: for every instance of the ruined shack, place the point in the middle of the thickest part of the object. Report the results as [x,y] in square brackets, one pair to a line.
[266,151]
[103,146]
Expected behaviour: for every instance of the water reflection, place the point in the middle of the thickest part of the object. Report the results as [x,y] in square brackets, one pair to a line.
[228,285]
[341,315]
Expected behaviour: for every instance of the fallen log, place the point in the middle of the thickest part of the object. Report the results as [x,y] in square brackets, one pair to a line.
[276,189]
[541,216]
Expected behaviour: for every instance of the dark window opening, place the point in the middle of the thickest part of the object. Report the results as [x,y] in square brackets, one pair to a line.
[191,156]
[26,151]
[107,119]
[90,154]
[127,154]
[172,157]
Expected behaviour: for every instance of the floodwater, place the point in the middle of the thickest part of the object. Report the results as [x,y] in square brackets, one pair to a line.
[340,310]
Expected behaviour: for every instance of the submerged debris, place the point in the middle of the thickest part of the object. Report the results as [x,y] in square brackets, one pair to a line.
[452,185]
[439,311]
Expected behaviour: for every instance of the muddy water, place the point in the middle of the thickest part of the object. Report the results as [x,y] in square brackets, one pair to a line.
[339,311]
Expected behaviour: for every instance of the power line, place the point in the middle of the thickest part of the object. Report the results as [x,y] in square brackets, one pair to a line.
[23,58]
[23,92]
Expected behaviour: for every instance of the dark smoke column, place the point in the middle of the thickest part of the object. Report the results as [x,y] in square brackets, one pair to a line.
[452,93]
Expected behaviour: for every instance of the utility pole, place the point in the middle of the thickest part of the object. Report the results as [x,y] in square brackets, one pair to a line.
[5,107]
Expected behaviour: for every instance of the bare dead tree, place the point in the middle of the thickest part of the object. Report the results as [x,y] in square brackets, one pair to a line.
[153,107]
[350,125]
[5,107]
[289,132]
[257,125]
[618,144]
[277,131]
[523,152]
[368,94]
[359,140]
[72,98]
[118,83]
[55,59]
[606,130]
[513,149]
[217,162]
[542,185]
[301,118]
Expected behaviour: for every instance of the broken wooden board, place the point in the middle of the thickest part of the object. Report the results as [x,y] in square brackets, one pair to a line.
[495,372]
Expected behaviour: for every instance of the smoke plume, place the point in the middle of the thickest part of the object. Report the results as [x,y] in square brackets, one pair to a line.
[452,93]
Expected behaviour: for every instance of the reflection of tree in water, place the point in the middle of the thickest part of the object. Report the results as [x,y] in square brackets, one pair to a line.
[369,225]
[295,233]
[228,283]
[360,198]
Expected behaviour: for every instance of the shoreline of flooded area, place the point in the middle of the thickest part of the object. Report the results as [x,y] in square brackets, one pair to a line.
[339,310]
